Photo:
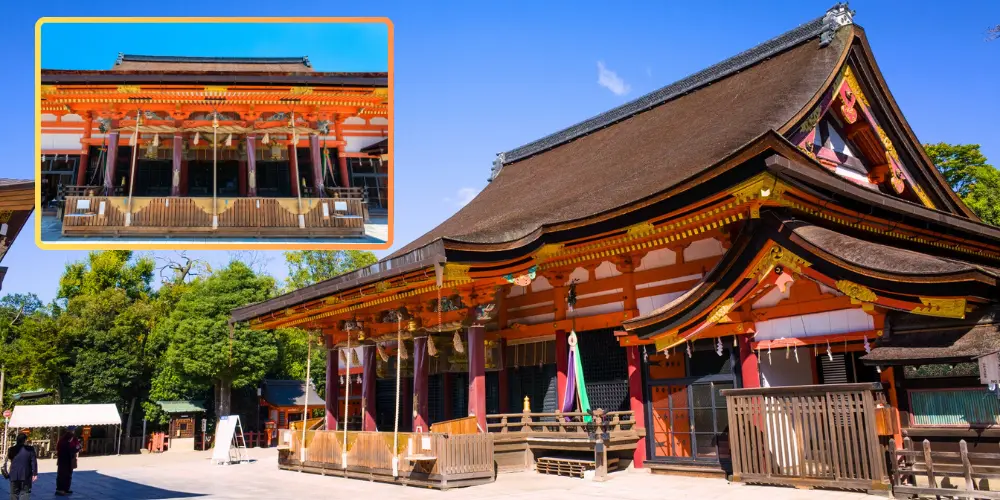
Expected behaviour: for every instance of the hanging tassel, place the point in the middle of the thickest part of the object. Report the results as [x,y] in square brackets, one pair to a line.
[768,353]
[878,369]
[457,341]
[266,139]
[197,138]
[735,341]
[829,352]
[432,349]
[718,347]
[357,379]
[156,140]
[381,353]
[788,351]
[343,357]
[229,140]
[666,354]
[341,380]
[868,347]
[354,358]
[689,349]
[815,350]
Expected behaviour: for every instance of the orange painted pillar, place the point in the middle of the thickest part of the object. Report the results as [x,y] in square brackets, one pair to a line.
[477,374]
[562,360]
[293,170]
[345,177]
[748,363]
[888,378]
[637,402]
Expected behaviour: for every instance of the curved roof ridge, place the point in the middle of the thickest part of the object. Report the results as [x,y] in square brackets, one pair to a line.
[826,23]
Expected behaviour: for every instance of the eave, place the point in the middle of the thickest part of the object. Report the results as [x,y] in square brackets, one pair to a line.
[92,77]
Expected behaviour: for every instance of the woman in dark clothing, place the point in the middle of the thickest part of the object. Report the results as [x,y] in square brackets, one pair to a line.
[66,450]
[23,468]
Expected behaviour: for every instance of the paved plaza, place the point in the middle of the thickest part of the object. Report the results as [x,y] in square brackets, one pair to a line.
[192,475]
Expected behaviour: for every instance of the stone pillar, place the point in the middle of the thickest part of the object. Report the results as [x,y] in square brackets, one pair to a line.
[637,401]
[293,170]
[332,395]
[562,359]
[81,171]
[368,388]
[748,363]
[476,348]
[345,177]
[251,165]
[317,166]
[112,157]
[421,419]
[178,160]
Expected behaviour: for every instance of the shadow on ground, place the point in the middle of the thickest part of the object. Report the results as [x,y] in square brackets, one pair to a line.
[90,484]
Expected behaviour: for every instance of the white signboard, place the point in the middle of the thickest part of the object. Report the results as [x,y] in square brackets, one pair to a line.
[224,433]
[100,208]
[989,370]
[83,204]
[340,206]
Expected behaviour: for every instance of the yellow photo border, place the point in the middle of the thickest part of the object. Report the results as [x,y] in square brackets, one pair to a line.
[262,244]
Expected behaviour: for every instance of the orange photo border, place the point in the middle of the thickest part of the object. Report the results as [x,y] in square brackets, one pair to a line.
[262,244]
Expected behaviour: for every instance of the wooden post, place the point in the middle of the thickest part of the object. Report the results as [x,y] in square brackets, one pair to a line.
[963,449]
[477,374]
[368,388]
[929,463]
[112,158]
[345,176]
[332,385]
[420,406]
[176,165]
[503,378]
[317,166]
[636,401]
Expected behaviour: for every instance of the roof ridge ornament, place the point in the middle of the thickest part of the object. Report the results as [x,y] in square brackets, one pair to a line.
[121,57]
[497,166]
[838,15]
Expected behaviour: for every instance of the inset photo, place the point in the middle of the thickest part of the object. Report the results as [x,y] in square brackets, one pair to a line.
[214,133]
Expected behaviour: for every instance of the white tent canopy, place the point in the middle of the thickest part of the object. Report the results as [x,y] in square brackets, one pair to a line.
[33,416]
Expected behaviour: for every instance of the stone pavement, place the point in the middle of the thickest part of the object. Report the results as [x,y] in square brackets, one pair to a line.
[191,475]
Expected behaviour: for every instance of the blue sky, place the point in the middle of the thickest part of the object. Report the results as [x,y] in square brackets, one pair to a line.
[476,78]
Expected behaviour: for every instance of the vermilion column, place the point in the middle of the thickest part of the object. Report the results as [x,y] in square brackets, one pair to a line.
[368,388]
[332,386]
[562,359]
[421,421]
[748,363]
[293,170]
[637,402]
[345,179]
[504,390]
[477,374]
[175,170]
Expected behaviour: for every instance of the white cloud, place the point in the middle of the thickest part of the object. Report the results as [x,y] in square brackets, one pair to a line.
[463,196]
[610,80]
[649,71]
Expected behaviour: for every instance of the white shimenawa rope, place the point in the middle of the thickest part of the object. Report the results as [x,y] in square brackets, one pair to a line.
[395,425]
[347,399]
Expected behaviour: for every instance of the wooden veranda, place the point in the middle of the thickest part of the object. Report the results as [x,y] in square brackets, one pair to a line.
[807,436]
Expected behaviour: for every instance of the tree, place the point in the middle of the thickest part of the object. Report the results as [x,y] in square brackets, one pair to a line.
[975,181]
[307,267]
[108,269]
[204,349]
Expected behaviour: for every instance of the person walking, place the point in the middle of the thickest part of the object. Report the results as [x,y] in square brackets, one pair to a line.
[66,450]
[23,469]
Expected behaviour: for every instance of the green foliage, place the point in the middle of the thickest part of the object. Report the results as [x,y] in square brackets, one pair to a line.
[105,270]
[975,181]
[306,267]
[292,354]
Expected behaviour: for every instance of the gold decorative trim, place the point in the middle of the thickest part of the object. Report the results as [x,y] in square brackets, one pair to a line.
[215,89]
[923,196]
[49,89]
[775,257]
[129,89]
[453,272]
[857,293]
[811,121]
[763,186]
[301,90]
[641,229]
[382,286]
[548,251]
[852,82]
[943,308]
[5,215]
[381,92]
[721,311]
[332,300]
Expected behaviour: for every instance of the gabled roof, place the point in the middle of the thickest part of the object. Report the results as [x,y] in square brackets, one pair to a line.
[644,147]
[131,62]
[289,393]
[172,407]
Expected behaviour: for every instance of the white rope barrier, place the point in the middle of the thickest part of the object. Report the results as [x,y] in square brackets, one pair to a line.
[347,399]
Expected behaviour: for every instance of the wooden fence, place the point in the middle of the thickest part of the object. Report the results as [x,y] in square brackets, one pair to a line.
[464,425]
[109,446]
[435,460]
[813,435]
[236,217]
[958,474]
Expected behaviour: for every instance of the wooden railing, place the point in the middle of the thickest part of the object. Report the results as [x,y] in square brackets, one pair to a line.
[107,215]
[314,423]
[436,460]
[557,423]
[953,474]
[109,446]
[814,435]
[464,425]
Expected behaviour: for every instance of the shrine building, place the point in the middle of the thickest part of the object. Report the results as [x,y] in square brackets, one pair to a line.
[769,227]
[17,201]
[240,146]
